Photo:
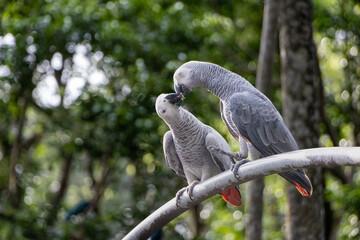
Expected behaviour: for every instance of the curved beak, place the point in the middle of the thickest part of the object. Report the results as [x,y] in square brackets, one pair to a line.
[175,98]
[182,89]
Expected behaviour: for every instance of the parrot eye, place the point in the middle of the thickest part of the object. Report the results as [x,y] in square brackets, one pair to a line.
[163,111]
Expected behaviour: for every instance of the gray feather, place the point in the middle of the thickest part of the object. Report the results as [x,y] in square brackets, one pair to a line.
[214,139]
[266,131]
[270,135]
[233,133]
[171,156]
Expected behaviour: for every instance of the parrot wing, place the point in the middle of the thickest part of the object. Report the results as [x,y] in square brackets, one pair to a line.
[214,139]
[171,156]
[236,136]
[260,123]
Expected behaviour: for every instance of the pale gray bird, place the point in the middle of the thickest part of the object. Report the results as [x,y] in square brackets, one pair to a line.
[249,114]
[186,147]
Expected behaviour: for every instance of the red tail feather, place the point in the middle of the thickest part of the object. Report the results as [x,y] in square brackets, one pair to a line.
[302,190]
[232,196]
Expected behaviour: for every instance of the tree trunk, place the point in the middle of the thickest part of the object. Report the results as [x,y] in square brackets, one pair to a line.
[300,92]
[263,83]
[267,47]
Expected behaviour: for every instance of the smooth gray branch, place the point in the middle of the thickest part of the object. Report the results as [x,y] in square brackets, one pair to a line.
[315,157]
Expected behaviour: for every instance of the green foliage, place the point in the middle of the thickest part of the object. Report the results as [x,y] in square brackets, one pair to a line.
[121,56]
[78,83]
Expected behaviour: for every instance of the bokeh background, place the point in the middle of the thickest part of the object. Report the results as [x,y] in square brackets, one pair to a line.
[80,142]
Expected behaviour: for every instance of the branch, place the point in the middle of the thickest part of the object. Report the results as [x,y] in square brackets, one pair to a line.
[7,217]
[15,153]
[315,157]
[59,195]
[99,187]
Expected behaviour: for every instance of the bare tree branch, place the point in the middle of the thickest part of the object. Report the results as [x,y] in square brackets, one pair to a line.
[315,157]
[15,154]
[59,195]
[99,187]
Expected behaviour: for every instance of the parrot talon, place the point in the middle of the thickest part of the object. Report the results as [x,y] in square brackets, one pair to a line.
[235,167]
[182,96]
[242,155]
[178,196]
[189,189]
[236,155]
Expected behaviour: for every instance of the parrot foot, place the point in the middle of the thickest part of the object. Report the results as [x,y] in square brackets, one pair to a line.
[178,195]
[236,156]
[242,155]
[189,189]
[235,167]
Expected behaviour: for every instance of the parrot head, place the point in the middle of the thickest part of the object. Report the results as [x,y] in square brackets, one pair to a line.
[167,105]
[186,77]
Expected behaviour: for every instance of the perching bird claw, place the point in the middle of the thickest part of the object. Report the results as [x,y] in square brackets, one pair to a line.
[178,195]
[235,167]
[189,189]
[236,156]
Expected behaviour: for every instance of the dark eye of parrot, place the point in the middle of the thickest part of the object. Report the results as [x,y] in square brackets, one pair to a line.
[164,111]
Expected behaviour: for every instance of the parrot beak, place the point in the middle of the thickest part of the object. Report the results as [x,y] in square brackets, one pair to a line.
[175,98]
[181,88]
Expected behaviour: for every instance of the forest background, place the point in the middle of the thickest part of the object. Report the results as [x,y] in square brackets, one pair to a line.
[80,142]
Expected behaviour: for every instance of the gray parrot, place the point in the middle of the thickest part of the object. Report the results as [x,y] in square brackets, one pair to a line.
[249,115]
[186,147]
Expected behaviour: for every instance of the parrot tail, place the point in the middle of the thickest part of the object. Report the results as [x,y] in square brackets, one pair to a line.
[232,196]
[300,180]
